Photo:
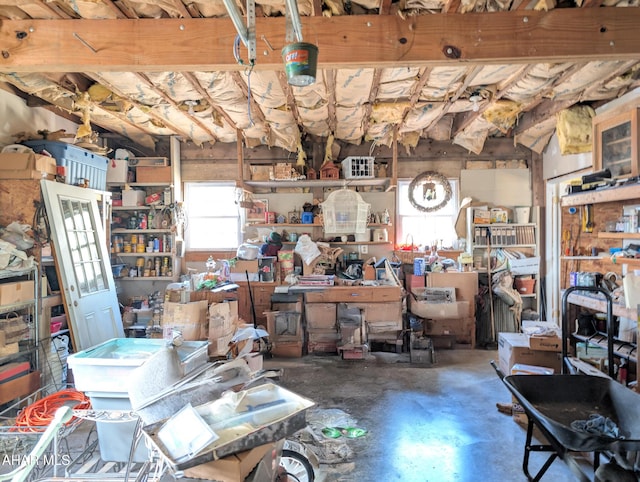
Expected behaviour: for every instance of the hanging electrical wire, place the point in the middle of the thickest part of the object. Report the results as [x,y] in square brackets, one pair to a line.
[236,56]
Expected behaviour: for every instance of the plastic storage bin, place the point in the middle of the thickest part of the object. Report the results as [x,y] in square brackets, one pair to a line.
[105,367]
[79,164]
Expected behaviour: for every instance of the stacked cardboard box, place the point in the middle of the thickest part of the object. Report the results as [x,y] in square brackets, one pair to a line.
[322,329]
[454,318]
[285,332]
[223,321]
[188,318]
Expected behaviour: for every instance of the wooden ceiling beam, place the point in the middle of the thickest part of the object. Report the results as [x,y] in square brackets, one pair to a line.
[126,7]
[330,82]
[180,7]
[291,101]
[375,41]
[114,8]
[373,94]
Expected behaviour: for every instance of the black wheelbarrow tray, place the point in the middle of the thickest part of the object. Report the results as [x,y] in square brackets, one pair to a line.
[553,402]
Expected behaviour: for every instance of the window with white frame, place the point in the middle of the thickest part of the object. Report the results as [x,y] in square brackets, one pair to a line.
[213,216]
[426,229]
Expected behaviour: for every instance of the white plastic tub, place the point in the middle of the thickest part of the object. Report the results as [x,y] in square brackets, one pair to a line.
[105,367]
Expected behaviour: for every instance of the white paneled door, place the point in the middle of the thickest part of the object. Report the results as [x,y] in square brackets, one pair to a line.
[83,264]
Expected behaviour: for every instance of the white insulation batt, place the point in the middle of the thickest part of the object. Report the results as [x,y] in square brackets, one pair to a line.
[416,101]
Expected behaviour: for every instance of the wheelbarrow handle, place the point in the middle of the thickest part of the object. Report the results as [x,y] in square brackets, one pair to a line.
[497,369]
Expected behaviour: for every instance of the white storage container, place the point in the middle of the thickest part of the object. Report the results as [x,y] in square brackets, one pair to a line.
[133,197]
[105,367]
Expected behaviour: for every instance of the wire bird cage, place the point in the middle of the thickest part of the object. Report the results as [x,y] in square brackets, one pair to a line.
[345,212]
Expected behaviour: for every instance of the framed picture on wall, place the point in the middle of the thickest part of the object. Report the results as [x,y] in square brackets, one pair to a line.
[255,214]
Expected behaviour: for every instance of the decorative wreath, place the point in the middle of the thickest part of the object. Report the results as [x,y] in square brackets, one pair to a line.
[429,192]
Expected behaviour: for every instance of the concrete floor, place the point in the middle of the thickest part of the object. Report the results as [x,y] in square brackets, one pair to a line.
[424,424]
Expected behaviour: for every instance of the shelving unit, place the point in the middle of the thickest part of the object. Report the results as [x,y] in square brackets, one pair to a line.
[606,204]
[148,248]
[483,238]
[316,231]
[385,182]
[19,321]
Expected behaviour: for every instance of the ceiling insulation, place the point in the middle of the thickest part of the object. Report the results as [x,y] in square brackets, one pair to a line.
[363,102]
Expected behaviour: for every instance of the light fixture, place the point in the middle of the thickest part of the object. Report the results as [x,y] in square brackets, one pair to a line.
[475,98]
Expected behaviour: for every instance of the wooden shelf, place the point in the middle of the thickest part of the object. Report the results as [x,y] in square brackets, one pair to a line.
[623,349]
[140,184]
[140,231]
[383,181]
[502,246]
[356,243]
[607,235]
[302,225]
[620,193]
[147,278]
[135,255]
[599,304]
[605,259]
[133,208]
[17,306]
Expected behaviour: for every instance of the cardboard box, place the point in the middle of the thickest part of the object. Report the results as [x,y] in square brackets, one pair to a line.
[153,174]
[481,216]
[465,283]
[14,165]
[17,292]
[223,321]
[287,349]
[223,318]
[381,313]
[545,343]
[242,265]
[234,468]
[189,318]
[284,325]
[435,294]
[462,328]
[439,311]
[514,348]
[219,347]
[133,197]
[320,316]
[538,340]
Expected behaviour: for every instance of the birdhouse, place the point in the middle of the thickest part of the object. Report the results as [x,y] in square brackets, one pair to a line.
[329,171]
[311,173]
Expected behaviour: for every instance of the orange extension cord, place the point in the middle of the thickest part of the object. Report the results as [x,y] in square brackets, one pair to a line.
[40,413]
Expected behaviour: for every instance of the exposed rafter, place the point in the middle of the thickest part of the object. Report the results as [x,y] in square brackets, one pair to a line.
[346,41]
